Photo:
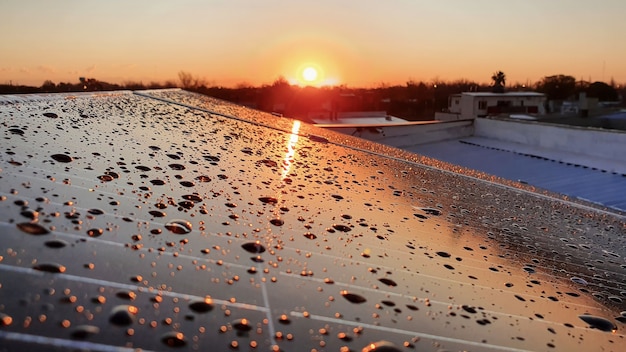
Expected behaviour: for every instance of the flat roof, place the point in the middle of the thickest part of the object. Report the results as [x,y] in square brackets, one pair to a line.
[506,94]
[166,220]
[574,175]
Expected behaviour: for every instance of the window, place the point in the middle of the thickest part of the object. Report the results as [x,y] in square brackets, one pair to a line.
[482,105]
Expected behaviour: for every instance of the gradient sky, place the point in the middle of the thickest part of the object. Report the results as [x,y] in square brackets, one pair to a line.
[359,43]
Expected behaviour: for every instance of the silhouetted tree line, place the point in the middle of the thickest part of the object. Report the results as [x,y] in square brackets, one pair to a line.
[412,101]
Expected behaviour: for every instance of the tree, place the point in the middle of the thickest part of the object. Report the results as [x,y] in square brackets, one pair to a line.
[557,87]
[499,80]
[602,91]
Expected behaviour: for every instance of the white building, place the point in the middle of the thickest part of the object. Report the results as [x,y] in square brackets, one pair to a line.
[470,105]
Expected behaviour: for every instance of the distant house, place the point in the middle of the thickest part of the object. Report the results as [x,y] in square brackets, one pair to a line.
[470,105]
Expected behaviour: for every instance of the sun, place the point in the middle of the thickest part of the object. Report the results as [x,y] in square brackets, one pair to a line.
[309,74]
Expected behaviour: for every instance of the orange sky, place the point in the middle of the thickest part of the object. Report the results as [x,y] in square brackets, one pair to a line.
[357,43]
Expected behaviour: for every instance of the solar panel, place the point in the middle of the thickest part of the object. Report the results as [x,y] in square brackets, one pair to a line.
[166,220]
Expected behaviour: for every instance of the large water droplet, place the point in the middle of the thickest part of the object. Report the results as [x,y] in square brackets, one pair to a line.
[268,200]
[381,346]
[62,158]
[50,267]
[174,339]
[33,229]
[598,323]
[123,315]
[342,228]
[95,232]
[202,306]
[242,325]
[179,227]
[277,222]
[56,243]
[253,247]
[387,281]
[84,331]
[353,297]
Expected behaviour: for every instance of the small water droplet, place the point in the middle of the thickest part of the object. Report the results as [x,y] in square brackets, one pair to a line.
[443,254]
[310,236]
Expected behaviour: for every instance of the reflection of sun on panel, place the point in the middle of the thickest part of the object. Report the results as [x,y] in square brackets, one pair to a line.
[291,148]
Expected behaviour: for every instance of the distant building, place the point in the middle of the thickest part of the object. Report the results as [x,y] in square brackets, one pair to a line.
[470,105]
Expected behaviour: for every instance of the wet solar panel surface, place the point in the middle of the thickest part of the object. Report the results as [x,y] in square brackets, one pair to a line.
[164,220]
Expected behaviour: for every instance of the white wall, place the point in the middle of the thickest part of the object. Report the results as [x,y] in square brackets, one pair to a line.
[605,146]
[410,134]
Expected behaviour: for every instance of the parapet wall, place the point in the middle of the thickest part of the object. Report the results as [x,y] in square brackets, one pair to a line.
[408,134]
[603,144]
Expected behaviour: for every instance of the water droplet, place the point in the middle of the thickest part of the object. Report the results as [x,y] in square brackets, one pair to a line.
[187,183]
[598,323]
[50,115]
[284,319]
[469,309]
[84,331]
[381,346]
[16,131]
[30,214]
[203,178]
[179,227]
[202,306]
[95,211]
[123,315]
[387,281]
[56,243]
[342,228]
[95,232]
[253,247]
[174,339]
[177,167]
[431,211]
[268,200]
[157,182]
[5,319]
[277,222]
[443,254]
[579,280]
[242,325]
[33,229]
[353,297]
[310,236]
[50,267]
[62,158]
[192,197]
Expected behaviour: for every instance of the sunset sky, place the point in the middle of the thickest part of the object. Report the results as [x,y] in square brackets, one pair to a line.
[360,43]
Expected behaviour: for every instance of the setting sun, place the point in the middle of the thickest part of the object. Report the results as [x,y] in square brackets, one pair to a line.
[309,74]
